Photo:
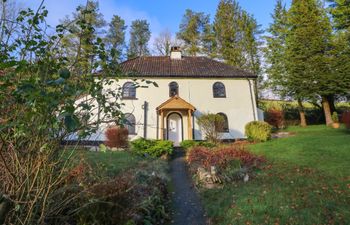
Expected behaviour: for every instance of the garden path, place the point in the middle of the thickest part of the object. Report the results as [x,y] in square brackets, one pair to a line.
[188,209]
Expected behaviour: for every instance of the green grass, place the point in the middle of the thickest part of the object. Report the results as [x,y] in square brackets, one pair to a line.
[306,181]
[108,164]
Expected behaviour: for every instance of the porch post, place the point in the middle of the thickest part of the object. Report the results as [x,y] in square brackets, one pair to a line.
[161,125]
[189,125]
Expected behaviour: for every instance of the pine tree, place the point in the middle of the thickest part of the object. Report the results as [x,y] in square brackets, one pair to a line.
[208,41]
[227,31]
[274,53]
[115,38]
[275,50]
[191,31]
[340,10]
[307,44]
[81,37]
[140,35]
[237,36]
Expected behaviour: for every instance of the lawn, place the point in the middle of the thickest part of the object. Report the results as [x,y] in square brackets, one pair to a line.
[107,164]
[306,181]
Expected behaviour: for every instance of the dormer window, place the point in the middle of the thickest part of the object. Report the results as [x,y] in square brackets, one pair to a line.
[173,89]
[219,90]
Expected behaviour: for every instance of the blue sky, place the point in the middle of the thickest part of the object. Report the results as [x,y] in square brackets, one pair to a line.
[161,14]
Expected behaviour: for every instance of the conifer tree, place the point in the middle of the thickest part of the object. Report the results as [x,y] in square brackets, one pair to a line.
[78,43]
[209,47]
[192,28]
[307,45]
[275,50]
[115,38]
[340,10]
[140,35]
[237,36]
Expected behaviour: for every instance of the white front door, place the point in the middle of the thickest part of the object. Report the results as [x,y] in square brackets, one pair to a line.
[175,128]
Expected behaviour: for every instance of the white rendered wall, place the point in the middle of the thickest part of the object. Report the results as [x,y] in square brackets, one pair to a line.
[237,105]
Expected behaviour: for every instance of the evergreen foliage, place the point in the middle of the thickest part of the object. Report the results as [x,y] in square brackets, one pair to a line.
[237,36]
[196,33]
[140,35]
[115,38]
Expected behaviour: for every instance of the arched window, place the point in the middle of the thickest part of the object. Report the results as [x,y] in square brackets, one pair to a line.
[130,123]
[129,90]
[223,127]
[173,89]
[219,90]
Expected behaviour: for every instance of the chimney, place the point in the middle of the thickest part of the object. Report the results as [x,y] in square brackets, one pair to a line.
[175,52]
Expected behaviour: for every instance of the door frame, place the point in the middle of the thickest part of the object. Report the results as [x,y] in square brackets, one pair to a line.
[167,125]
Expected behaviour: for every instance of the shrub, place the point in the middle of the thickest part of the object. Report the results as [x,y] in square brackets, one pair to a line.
[187,144]
[212,126]
[335,117]
[137,196]
[346,119]
[222,157]
[258,131]
[275,118]
[117,137]
[154,148]
[207,144]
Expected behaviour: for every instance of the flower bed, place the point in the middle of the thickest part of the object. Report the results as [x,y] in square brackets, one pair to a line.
[222,164]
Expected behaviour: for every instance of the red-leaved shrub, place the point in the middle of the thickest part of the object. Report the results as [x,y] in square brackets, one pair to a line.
[346,119]
[275,118]
[221,157]
[117,137]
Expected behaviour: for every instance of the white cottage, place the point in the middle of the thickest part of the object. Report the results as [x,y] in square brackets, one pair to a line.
[187,87]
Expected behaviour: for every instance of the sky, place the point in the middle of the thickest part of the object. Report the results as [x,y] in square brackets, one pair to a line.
[161,14]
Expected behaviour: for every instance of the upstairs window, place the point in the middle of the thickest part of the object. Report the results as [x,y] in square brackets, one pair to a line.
[223,127]
[129,90]
[173,89]
[219,90]
[130,123]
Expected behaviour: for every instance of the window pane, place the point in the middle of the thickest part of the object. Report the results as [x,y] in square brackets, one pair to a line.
[219,90]
[129,91]
[130,123]
[173,89]
[224,126]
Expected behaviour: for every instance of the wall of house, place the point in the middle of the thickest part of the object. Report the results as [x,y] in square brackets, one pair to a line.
[237,105]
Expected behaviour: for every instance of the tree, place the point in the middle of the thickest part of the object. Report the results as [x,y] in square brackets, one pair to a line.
[140,35]
[209,47]
[44,99]
[340,10]
[8,14]
[237,35]
[115,38]
[340,61]
[275,51]
[307,44]
[191,31]
[211,125]
[78,42]
[163,43]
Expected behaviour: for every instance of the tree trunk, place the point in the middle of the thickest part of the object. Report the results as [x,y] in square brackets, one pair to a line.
[327,110]
[302,114]
[331,102]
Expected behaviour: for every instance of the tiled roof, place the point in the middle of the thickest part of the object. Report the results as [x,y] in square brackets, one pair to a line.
[163,66]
